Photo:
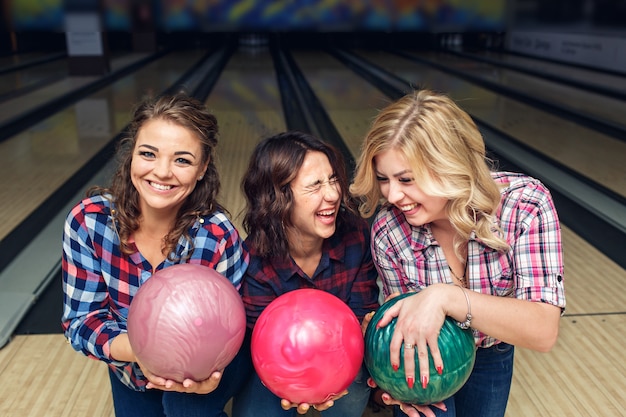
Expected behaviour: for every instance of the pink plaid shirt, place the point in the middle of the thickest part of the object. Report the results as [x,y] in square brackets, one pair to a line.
[408,258]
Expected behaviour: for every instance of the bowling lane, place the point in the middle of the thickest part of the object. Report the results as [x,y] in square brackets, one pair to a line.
[584,102]
[39,160]
[581,75]
[16,82]
[350,101]
[246,102]
[24,80]
[592,154]
[13,62]
[11,109]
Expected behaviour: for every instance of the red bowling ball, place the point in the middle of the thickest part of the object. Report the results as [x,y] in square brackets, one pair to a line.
[307,346]
[186,321]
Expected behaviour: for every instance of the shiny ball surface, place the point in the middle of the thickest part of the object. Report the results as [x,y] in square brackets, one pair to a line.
[458,352]
[186,321]
[307,345]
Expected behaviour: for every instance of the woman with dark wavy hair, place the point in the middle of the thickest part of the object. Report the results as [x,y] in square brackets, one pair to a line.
[304,231]
[160,210]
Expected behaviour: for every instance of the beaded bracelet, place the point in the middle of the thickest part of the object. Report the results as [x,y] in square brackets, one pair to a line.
[468,318]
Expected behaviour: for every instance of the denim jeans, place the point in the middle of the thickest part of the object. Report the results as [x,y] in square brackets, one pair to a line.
[153,402]
[486,392]
[256,400]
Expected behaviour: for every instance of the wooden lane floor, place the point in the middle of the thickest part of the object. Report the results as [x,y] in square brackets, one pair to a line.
[15,61]
[582,101]
[15,107]
[36,162]
[591,154]
[596,78]
[13,82]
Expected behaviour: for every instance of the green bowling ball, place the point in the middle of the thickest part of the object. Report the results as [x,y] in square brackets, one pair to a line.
[458,352]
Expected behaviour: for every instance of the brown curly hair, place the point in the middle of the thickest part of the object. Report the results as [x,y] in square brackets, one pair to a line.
[191,114]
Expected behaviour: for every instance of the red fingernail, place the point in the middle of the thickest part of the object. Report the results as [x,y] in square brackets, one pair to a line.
[395,367]
[409,382]
[440,369]
[424,382]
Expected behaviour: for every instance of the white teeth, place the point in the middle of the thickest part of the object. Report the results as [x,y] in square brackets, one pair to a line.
[161,186]
[326,213]
[408,207]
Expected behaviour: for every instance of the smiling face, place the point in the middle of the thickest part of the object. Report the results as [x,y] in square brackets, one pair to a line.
[316,198]
[397,184]
[166,164]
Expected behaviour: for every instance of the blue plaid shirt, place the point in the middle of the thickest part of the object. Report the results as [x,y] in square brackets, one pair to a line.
[99,282]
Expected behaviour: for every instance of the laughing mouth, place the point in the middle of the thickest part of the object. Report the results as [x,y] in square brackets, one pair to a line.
[408,207]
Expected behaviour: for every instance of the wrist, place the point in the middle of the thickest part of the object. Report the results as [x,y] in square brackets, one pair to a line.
[466,323]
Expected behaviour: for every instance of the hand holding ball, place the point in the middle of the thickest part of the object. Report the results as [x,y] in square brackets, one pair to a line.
[186,321]
[458,352]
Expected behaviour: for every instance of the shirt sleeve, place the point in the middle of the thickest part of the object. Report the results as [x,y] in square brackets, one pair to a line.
[364,294]
[87,321]
[537,250]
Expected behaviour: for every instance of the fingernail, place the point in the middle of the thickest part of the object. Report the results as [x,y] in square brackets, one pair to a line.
[410,382]
[395,367]
[424,382]
[440,369]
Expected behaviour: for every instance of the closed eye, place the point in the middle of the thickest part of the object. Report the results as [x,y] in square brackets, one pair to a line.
[314,187]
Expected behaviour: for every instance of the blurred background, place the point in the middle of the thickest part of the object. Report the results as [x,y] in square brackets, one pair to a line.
[571,30]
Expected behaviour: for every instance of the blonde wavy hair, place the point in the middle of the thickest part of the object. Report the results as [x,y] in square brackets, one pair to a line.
[447,155]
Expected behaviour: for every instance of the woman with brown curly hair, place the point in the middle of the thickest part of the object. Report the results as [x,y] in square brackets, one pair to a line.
[160,210]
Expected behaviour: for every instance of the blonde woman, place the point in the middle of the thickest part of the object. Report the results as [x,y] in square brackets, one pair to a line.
[480,246]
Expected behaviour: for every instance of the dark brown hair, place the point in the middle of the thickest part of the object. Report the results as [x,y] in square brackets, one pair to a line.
[274,163]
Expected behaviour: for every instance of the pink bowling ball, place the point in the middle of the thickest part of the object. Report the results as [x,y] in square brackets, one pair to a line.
[186,321]
[307,346]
